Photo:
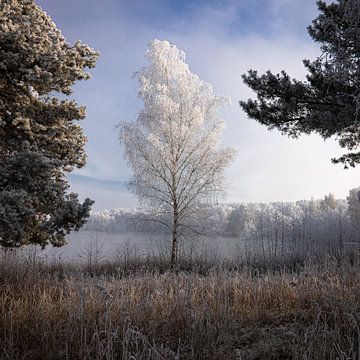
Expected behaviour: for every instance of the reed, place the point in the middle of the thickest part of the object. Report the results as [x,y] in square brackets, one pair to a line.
[56,311]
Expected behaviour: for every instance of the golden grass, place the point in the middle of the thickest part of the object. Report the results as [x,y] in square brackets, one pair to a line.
[48,314]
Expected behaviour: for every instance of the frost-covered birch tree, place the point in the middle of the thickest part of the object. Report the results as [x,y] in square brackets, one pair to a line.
[40,140]
[173,145]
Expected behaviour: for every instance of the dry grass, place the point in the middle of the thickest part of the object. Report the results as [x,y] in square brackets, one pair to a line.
[55,312]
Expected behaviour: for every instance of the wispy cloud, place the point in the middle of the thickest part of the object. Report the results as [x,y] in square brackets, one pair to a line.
[222,41]
[107,193]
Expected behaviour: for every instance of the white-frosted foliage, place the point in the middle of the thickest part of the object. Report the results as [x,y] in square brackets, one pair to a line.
[274,229]
[40,138]
[173,145]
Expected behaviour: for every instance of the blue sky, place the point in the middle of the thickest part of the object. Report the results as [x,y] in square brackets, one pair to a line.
[222,39]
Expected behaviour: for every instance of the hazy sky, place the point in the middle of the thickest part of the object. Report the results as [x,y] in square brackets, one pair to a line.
[222,40]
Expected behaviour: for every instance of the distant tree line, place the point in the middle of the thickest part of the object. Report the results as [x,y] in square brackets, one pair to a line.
[270,229]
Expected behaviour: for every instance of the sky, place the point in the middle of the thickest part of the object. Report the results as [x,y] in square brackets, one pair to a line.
[222,40]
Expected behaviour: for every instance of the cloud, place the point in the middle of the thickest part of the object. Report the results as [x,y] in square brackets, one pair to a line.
[107,194]
[222,41]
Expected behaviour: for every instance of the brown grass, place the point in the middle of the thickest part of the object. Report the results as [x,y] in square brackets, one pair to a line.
[55,312]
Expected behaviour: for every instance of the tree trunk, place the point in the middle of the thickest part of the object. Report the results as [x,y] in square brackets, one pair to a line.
[341,240]
[174,250]
[174,246]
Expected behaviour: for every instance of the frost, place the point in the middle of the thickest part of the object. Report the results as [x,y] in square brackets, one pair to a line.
[173,145]
[39,141]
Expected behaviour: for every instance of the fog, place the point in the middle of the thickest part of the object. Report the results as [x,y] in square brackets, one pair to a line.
[97,246]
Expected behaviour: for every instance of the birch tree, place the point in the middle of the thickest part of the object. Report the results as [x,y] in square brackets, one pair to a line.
[353,201]
[173,145]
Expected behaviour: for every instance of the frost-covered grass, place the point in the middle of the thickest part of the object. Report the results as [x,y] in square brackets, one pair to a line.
[141,311]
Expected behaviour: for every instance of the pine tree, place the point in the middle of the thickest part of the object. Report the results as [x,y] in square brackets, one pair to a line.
[39,139]
[328,102]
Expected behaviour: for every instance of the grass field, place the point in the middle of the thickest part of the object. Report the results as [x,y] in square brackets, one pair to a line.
[285,310]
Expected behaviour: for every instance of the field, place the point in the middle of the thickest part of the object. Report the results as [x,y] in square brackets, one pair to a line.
[103,245]
[289,309]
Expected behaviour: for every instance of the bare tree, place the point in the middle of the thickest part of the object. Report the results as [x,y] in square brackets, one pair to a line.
[173,145]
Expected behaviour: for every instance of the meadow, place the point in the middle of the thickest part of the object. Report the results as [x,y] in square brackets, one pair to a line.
[134,308]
